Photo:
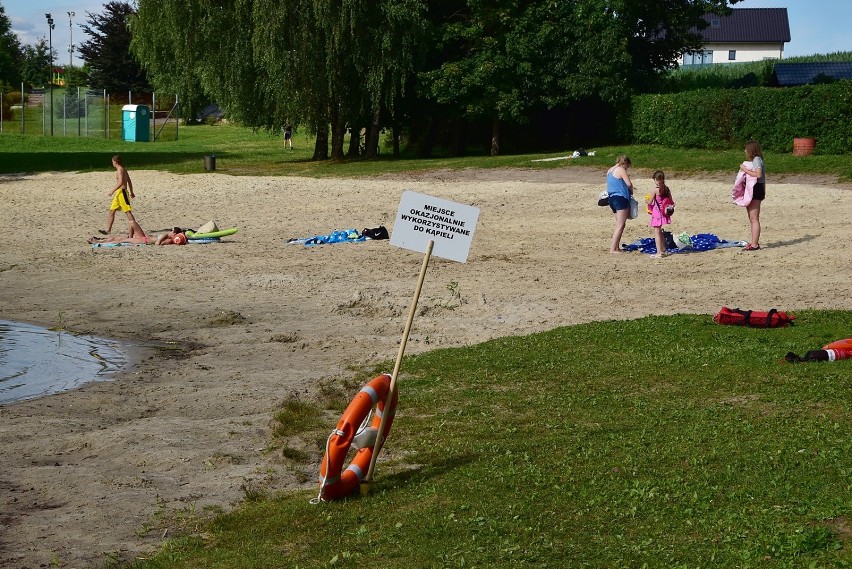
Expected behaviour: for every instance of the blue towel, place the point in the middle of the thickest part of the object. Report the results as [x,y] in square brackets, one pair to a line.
[340,236]
[700,242]
[98,245]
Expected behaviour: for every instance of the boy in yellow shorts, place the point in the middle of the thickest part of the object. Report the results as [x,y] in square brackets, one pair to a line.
[123,185]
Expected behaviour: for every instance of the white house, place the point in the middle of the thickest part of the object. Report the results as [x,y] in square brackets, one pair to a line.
[748,34]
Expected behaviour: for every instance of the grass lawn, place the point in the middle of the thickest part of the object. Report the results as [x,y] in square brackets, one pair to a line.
[658,442]
[241,151]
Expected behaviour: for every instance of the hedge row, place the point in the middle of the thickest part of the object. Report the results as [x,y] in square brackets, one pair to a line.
[724,118]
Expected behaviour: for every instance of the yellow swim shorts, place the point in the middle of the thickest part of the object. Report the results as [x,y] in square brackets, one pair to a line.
[119,200]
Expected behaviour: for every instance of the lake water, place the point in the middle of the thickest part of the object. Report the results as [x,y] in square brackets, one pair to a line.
[36,361]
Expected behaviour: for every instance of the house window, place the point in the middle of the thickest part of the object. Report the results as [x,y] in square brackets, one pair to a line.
[732,55]
[698,57]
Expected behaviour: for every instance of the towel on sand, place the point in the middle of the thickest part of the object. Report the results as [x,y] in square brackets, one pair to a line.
[340,236]
[685,243]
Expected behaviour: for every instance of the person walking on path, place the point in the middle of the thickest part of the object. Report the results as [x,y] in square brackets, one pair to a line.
[619,188]
[120,200]
[754,154]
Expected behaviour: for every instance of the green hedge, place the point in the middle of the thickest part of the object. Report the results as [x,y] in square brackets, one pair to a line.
[722,118]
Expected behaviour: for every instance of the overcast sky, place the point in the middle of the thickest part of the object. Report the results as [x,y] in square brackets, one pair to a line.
[816,26]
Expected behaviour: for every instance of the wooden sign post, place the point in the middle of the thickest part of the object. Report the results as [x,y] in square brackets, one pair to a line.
[429,225]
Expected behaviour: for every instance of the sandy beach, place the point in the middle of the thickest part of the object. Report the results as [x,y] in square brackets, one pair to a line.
[259,321]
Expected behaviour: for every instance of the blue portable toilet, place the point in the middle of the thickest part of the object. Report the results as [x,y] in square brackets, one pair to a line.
[135,121]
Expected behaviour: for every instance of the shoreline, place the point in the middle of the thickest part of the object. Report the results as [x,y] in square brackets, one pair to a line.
[261,321]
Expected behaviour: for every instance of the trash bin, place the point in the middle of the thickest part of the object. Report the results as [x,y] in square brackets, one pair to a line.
[135,123]
[210,162]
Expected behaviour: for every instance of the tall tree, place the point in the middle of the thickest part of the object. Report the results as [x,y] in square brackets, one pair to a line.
[318,63]
[329,63]
[498,60]
[658,33]
[111,64]
[35,64]
[10,52]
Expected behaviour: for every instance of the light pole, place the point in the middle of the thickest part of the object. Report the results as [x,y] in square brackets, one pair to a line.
[70,41]
[50,26]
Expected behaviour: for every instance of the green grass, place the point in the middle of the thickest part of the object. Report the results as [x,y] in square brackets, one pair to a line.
[241,151]
[658,442]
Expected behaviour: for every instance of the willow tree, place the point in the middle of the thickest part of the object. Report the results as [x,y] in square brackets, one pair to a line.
[169,38]
[269,62]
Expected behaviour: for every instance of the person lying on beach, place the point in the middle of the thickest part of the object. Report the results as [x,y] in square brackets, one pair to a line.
[174,237]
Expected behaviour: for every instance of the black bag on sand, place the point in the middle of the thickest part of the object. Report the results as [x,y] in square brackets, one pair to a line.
[379,232]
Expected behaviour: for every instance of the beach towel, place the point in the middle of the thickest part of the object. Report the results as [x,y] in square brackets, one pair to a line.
[685,243]
[743,188]
[99,245]
[340,236]
[201,241]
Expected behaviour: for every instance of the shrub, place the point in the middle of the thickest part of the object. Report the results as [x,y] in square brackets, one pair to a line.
[722,118]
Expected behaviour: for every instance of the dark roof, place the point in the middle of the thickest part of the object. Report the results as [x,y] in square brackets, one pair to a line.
[787,74]
[752,25]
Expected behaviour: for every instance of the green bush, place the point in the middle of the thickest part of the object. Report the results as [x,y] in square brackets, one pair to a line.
[722,118]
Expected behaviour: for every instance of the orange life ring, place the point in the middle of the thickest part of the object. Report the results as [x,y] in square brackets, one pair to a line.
[334,481]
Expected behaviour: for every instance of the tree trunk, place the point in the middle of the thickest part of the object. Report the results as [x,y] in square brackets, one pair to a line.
[395,131]
[495,137]
[321,145]
[338,128]
[373,133]
[354,140]
[458,142]
[427,141]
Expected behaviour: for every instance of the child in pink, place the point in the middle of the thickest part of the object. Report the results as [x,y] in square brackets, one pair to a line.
[661,207]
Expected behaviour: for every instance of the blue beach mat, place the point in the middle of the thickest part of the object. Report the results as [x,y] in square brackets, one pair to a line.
[684,244]
[340,236]
[202,240]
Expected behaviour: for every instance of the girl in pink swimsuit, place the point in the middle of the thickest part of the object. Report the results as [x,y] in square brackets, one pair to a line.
[661,207]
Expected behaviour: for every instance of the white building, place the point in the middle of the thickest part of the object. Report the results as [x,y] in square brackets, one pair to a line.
[748,34]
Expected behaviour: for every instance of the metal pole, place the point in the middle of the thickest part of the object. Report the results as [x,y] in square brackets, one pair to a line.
[106,116]
[70,40]
[23,109]
[77,107]
[154,113]
[50,26]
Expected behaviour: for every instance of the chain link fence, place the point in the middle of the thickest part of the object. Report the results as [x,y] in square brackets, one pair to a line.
[83,113]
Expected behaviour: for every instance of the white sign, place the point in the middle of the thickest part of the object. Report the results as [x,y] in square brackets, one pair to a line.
[423,218]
